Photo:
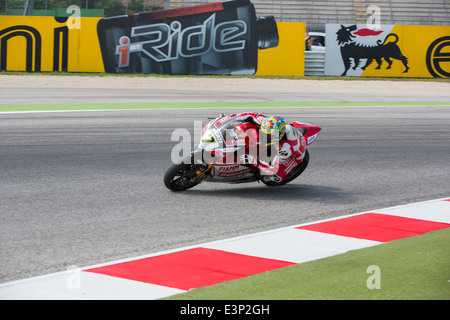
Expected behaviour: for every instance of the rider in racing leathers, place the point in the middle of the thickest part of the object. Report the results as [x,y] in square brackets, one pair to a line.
[292,146]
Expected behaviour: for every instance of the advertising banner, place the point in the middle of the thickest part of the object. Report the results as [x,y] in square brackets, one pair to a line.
[214,38]
[390,51]
[29,43]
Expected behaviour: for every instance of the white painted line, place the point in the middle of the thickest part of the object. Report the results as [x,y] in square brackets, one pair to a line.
[82,285]
[292,245]
[438,211]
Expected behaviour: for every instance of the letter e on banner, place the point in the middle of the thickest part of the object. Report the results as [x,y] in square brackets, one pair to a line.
[438,57]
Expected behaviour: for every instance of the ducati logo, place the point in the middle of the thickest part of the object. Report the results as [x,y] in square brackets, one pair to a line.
[163,42]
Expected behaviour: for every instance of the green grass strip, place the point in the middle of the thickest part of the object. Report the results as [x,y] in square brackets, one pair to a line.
[411,268]
[217,105]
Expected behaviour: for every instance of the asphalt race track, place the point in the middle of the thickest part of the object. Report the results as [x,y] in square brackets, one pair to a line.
[81,188]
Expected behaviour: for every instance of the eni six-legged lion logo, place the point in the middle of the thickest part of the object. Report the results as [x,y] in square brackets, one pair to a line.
[350,49]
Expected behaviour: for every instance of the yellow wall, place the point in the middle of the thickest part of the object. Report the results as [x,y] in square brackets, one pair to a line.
[84,53]
[418,43]
[83,50]
[288,58]
[85,41]
[414,42]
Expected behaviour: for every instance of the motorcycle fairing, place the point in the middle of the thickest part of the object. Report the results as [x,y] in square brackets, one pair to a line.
[235,173]
[309,131]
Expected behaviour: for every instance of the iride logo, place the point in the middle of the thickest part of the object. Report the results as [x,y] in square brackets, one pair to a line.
[169,42]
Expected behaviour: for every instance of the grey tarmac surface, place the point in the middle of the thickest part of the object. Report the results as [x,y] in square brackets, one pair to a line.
[81,188]
[37,89]
[86,187]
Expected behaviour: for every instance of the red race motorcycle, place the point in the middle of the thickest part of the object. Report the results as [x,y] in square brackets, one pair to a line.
[224,140]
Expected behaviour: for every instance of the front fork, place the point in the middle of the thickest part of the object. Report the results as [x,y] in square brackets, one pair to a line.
[196,157]
[201,174]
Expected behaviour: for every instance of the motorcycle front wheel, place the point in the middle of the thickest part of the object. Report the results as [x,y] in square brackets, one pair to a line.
[183,176]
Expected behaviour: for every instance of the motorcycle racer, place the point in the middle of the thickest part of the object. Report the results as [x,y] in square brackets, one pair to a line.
[291,146]
[243,147]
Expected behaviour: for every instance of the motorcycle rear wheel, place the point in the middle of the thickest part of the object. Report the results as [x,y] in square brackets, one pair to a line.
[293,174]
[183,176]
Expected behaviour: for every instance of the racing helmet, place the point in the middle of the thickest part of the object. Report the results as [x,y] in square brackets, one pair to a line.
[273,126]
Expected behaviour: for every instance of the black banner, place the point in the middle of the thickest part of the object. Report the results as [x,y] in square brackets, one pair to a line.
[214,38]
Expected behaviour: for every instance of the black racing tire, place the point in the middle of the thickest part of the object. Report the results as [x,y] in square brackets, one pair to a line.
[297,171]
[180,177]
